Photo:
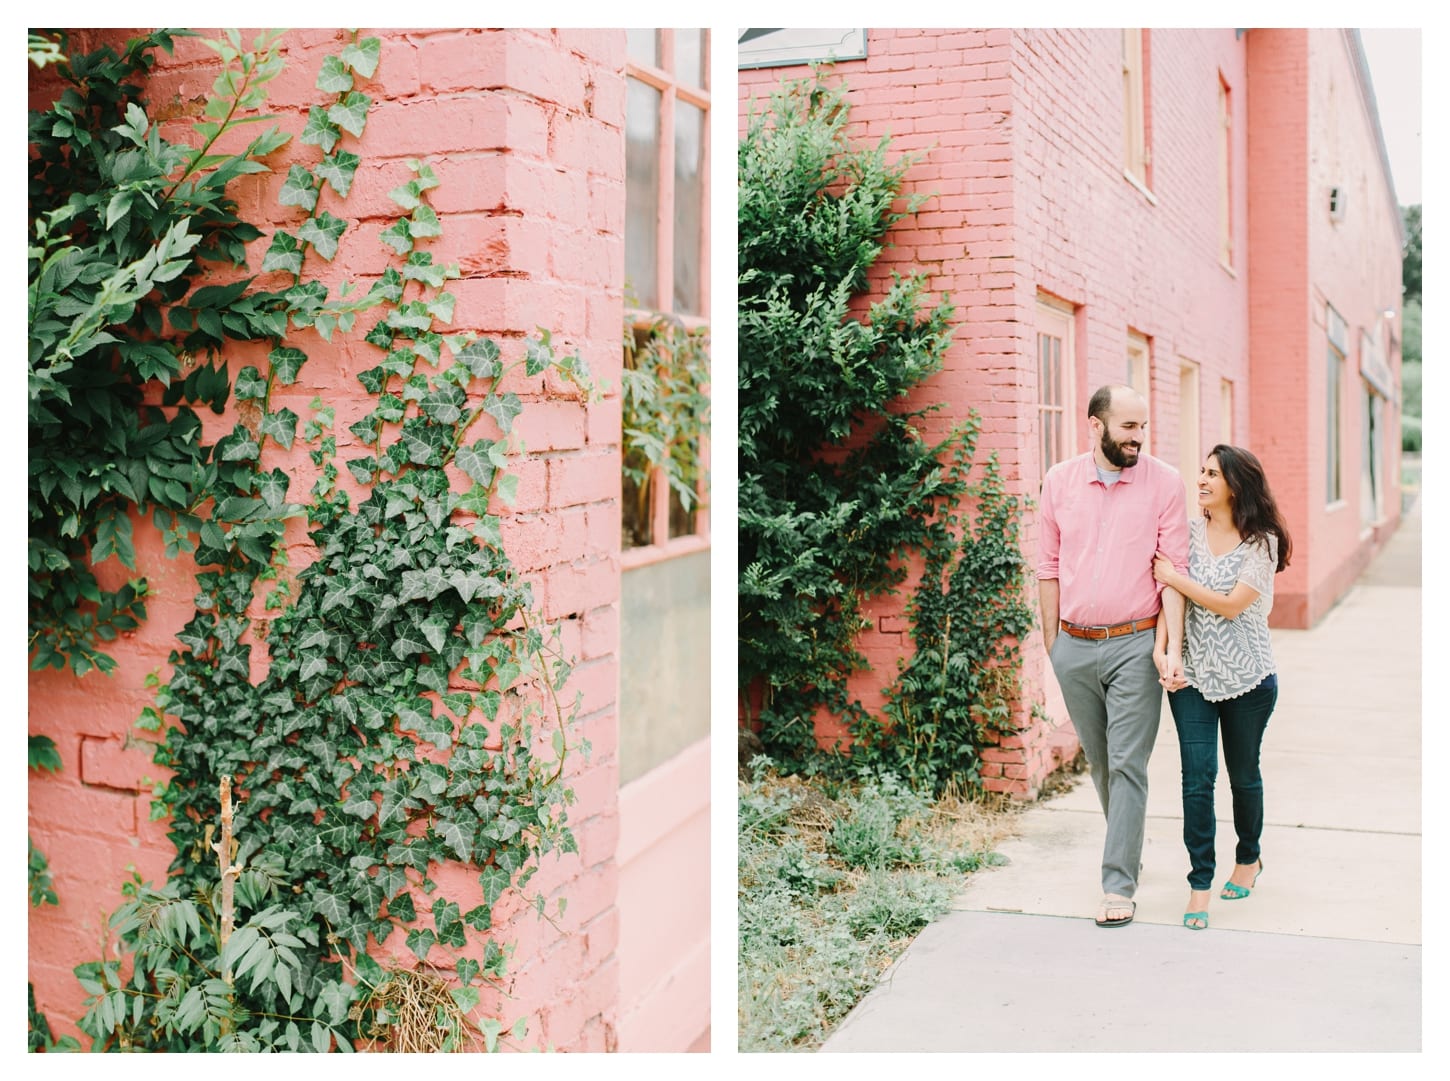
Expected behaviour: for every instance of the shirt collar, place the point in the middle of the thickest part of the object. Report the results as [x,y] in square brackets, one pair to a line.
[1088,474]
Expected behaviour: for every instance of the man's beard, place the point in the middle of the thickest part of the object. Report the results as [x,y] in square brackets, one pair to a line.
[1114,452]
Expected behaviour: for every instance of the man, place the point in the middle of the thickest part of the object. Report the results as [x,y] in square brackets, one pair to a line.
[1104,515]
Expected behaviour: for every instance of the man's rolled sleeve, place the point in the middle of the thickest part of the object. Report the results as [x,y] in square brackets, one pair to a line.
[1051,537]
[1173,530]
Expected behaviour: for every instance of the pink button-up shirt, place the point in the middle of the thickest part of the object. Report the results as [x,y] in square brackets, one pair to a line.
[1098,540]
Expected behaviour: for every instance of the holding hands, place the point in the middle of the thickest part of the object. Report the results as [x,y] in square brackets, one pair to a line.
[1168,655]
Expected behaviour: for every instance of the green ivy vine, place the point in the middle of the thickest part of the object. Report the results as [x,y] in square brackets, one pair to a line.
[410,716]
[839,488]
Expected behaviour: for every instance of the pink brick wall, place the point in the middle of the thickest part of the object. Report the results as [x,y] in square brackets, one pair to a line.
[1311,130]
[525,132]
[1020,137]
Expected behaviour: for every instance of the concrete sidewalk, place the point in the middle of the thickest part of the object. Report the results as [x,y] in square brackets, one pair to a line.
[1324,956]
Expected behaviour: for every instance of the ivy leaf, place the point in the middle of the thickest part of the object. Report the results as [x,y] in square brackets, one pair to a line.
[362,807]
[272,488]
[299,189]
[482,358]
[281,426]
[448,921]
[420,941]
[336,998]
[503,408]
[351,112]
[479,918]
[474,461]
[537,356]
[445,405]
[364,470]
[460,704]
[284,254]
[458,839]
[323,233]
[362,56]
[286,364]
[424,442]
[494,881]
[396,801]
[476,584]
[441,307]
[419,268]
[435,628]
[424,222]
[328,905]
[397,237]
[320,131]
[467,969]
[334,78]
[338,171]
[250,385]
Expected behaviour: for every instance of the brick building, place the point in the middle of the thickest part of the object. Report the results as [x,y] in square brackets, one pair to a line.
[1207,215]
[526,131]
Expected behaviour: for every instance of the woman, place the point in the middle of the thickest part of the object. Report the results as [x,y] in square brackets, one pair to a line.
[1235,548]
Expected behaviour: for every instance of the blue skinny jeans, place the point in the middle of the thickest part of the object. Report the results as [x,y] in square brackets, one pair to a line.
[1242,721]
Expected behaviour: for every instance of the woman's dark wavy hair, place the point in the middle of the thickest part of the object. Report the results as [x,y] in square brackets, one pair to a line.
[1255,513]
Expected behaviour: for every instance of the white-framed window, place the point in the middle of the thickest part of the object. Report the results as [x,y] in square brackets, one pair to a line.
[1225,174]
[1056,414]
[1139,377]
[666,249]
[1135,107]
[1190,446]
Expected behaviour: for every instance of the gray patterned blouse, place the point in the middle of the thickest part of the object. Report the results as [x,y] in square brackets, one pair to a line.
[1225,658]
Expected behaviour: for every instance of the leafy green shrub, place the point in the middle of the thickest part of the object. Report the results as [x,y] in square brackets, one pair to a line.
[1411,439]
[838,488]
[897,906]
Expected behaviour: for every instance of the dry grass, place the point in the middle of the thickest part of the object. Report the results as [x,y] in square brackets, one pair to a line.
[416,1014]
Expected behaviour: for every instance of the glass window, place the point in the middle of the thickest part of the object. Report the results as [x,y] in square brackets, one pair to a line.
[1138,376]
[1135,141]
[1054,384]
[666,257]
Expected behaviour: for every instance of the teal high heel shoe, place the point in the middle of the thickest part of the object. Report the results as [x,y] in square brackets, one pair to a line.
[1232,891]
[1187,916]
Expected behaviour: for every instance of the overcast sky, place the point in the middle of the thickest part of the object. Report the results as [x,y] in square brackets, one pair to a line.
[1394,67]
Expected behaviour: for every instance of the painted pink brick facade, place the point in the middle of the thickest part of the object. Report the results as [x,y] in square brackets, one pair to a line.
[1020,137]
[525,131]
[1313,129]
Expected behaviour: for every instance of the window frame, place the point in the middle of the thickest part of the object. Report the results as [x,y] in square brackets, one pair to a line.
[1140,376]
[1225,173]
[1137,153]
[1190,425]
[1051,315]
[662,78]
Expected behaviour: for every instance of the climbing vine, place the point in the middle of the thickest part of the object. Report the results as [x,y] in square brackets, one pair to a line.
[410,717]
[839,489]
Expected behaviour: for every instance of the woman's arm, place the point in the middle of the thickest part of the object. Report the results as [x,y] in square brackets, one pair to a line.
[1230,606]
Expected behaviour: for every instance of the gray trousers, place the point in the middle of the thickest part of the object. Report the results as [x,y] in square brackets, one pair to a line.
[1114,699]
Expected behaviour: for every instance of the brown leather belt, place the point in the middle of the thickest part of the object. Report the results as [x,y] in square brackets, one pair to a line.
[1115,631]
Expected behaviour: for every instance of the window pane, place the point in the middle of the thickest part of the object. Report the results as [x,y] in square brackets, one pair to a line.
[691,68]
[644,46]
[689,205]
[642,194]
